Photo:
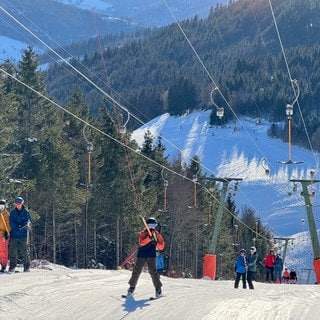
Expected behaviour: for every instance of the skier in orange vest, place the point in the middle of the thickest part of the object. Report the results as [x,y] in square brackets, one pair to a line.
[4,235]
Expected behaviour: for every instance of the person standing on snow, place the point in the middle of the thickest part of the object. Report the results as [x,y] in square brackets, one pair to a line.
[241,268]
[269,261]
[293,276]
[20,222]
[278,267]
[286,275]
[148,244]
[4,235]
[252,266]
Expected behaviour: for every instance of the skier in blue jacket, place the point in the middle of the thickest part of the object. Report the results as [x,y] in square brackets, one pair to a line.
[20,222]
[241,268]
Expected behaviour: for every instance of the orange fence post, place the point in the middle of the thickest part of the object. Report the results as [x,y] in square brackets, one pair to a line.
[316,265]
[209,266]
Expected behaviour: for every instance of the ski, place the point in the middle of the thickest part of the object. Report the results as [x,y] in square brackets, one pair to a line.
[156,298]
[125,296]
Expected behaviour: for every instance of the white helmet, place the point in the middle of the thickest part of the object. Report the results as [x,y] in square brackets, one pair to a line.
[2,205]
[253,248]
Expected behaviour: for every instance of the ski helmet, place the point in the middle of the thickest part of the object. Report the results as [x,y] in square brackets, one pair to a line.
[152,223]
[254,249]
[242,251]
[18,200]
[2,204]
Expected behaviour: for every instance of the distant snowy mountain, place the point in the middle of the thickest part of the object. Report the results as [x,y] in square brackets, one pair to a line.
[152,13]
[244,150]
[61,22]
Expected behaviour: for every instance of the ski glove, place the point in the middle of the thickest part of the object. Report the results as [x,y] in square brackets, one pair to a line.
[153,241]
[6,235]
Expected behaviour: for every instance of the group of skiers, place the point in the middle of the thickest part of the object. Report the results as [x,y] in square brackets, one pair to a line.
[14,236]
[274,269]
[246,267]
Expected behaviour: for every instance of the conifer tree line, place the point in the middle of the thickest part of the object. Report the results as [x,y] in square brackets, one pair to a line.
[85,191]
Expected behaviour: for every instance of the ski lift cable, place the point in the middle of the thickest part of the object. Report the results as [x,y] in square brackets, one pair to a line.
[63,50]
[90,81]
[87,79]
[293,82]
[315,156]
[215,85]
[116,140]
[95,85]
[212,79]
[70,65]
[92,126]
[76,71]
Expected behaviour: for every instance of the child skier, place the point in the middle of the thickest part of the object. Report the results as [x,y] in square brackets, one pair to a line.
[148,244]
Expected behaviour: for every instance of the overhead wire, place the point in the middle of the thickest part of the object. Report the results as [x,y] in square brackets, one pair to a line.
[86,123]
[128,159]
[251,4]
[93,83]
[99,89]
[216,87]
[92,126]
[292,83]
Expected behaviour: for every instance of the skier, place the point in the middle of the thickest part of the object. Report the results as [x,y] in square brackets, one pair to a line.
[241,268]
[252,266]
[20,221]
[269,261]
[293,276]
[278,267]
[286,275]
[4,235]
[148,244]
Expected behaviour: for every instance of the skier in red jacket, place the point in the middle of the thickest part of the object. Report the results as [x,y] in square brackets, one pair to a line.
[269,261]
[148,244]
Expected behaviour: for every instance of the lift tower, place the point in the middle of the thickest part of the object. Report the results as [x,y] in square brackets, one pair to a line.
[312,225]
[209,265]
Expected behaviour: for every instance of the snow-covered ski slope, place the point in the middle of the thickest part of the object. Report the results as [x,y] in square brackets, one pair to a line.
[243,150]
[62,293]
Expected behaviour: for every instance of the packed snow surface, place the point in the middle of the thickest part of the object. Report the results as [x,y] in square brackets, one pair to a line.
[61,293]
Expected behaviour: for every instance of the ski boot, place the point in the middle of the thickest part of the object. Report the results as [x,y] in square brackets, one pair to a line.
[130,291]
[158,293]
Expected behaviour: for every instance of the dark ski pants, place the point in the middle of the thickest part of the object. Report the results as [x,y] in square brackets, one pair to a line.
[250,277]
[19,246]
[244,280]
[151,263]
[277,274]
[269,273]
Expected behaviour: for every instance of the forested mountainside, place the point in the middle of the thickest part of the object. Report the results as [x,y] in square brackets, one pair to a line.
[86,183]
[240,48]
[57,23]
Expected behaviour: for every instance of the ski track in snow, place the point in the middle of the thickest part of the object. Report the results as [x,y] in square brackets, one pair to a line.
[96,294]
